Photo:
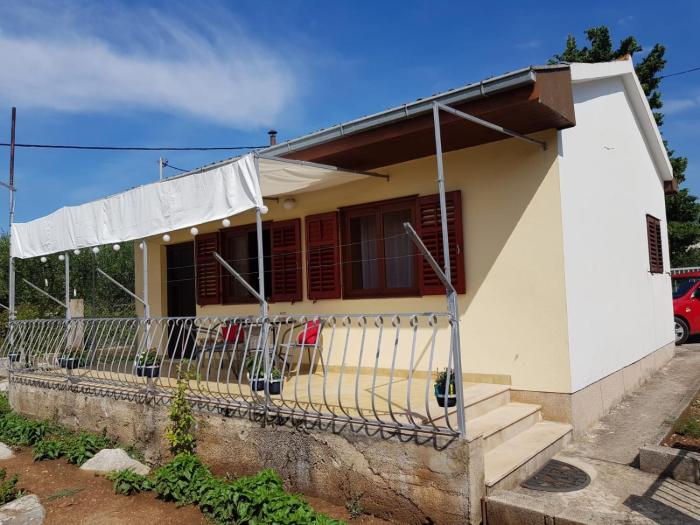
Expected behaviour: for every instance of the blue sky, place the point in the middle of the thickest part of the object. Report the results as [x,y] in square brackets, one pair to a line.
[223,73]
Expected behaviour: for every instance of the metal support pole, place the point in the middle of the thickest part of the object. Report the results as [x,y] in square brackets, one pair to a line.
[146,305]
[67,263]
[11,284]
[121,286]
[451,293]
[160,168]
[58,301]
[238,277]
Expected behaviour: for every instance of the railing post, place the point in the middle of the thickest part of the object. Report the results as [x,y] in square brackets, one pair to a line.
[455,346]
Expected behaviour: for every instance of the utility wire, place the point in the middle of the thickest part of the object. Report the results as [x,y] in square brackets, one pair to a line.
[681,72]
[131,148]
[167,164]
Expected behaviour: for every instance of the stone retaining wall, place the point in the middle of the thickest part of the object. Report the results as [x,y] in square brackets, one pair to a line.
[404,479]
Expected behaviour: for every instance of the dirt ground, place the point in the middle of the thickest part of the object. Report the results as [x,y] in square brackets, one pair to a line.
[686,441]
[74,497]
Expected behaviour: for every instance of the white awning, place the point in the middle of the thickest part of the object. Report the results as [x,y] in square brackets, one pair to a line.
[209,194]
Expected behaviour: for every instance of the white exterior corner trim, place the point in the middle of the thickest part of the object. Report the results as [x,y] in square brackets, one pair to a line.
[624,69]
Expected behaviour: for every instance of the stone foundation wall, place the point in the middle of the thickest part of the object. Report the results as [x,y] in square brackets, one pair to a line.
[407,480]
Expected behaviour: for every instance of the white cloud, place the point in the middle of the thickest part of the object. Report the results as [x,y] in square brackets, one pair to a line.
[679,105]
[626,20]
[115,57]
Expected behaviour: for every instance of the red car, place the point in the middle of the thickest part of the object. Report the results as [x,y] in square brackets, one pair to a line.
[686,305]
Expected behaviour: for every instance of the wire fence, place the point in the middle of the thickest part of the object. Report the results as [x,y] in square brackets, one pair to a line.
[391,371]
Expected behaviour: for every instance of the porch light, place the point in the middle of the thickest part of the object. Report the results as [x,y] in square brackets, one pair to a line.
[226,223]
[288,204]
[76,252]
[166,238]
[194,231]
[264,209]
[61,257]
[116,247]
[43,259]
[95,250]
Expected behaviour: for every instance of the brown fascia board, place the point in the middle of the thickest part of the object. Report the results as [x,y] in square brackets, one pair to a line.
[671,186]
[548,87]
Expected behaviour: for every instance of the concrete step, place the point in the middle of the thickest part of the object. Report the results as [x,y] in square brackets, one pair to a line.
[480,398]
[514,460]
[503,423]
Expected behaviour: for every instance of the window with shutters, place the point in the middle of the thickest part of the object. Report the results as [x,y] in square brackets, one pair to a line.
[322,256]
[208,283]
[656,257]
[378,258]
[239,246]
[429,227]
[286,260]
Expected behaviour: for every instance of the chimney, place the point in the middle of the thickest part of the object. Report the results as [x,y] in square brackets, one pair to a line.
[273,137]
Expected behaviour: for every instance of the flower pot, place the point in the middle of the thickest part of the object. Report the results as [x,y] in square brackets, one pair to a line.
[258,385]
[440,396]
[14,357]
[69,363]
[148,371]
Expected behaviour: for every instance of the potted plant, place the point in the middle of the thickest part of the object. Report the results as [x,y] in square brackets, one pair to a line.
[14,357]
[147,364]
[71,359]
[440,394]
[256,377]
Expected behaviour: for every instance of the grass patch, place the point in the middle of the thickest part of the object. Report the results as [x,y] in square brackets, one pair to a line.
[689,427]
[63,493]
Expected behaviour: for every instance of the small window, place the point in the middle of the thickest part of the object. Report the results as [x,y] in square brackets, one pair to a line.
[379,259]
[656,257]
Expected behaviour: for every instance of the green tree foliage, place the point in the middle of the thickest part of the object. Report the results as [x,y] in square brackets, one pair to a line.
[102,298]
[179,430]
[682,210]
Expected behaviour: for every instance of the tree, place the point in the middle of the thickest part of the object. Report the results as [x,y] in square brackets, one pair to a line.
[682,210]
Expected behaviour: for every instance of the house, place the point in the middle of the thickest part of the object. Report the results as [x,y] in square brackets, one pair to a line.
[554,180]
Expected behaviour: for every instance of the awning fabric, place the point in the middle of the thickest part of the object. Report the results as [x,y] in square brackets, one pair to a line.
[181,202]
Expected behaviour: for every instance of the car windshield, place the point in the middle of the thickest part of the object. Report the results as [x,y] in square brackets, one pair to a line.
[682,285]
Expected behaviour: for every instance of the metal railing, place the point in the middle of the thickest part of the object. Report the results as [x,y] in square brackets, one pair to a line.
[373,370]
[687,269]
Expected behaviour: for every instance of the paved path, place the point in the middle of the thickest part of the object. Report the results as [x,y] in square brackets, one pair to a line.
[619,492]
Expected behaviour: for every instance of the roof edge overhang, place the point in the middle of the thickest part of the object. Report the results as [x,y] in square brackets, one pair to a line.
[624,69]
[479,90]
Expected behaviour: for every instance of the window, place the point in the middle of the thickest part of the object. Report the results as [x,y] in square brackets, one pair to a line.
[281,258]
[208,276]
[378,257]
[239,246]
[656,258]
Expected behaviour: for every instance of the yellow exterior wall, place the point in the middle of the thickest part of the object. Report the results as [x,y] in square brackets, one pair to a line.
[513,316]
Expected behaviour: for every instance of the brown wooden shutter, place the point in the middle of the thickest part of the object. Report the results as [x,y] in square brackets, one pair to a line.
[656,256]
[286,260]
[208,277]
[322,256]
[429,229]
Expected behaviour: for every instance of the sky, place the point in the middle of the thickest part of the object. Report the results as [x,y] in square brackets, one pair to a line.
[212,73]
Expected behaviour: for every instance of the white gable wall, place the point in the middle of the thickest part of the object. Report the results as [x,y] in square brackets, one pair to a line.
[618,312]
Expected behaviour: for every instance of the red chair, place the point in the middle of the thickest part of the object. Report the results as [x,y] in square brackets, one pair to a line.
[309,338]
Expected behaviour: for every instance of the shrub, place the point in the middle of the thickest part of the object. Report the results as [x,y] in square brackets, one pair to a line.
[5,407]
[17,430]
[181,480]
[83,446]
[128,482]
[8,487]
[49,449]
[179,431]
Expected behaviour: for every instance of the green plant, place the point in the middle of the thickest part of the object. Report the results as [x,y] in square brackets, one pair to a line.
[128,482]
[83,446]
[441,380]
[49,449]
[63,493]
[688,427]
[148,358]
[181,479]
[179,431]
[17,430]
[8,487]
[256,369]
[5,407]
